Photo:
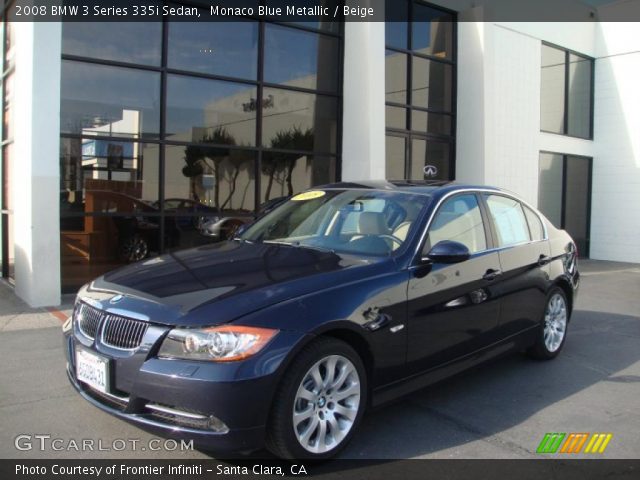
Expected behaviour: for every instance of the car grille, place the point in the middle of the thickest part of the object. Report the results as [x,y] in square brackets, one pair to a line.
[117,331]
[88,319]
[123,333]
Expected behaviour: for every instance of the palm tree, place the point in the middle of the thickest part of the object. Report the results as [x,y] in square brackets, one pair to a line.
[274,162]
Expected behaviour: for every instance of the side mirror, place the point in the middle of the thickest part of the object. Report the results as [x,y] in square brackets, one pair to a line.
[448,251]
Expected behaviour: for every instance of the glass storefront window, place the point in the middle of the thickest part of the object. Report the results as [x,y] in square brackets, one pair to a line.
[396,33]
[284,174]
[135,42]
[292,58]
[228,49]
[420,65]
[579,93]
[210,111]
[217,178]
[552,90]
[108,177]
[395,157]
[299,121]
[429,154]
[395,77]
[432,31]
[432,84]
[106,100]
[566,92]
[422,121]
[396,117]
[134,185]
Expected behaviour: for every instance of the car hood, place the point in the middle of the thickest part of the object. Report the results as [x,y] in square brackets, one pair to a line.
[221,282]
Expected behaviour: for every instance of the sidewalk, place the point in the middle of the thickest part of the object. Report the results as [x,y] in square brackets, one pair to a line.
[17,315]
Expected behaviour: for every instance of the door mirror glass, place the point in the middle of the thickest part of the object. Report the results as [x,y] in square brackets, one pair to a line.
[448,251]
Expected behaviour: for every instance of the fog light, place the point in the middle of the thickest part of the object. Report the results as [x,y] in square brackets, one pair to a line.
[217,425]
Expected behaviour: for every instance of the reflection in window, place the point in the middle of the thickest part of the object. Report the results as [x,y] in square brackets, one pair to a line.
[396,32]
[292,120]
[284,174]
[225,48]
[429,160]
[107,176]
[419,81]
[432,31]
[579,96]
[395,157]
[135,42]
[105,100]
[396,117]
[432,84]
[566,96]
[422,121]
[552,90]
[216,177]
[395,77]
[198,108]
[292,58]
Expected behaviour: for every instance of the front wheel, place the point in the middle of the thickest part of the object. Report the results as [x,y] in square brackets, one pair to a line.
[553,330]
[320,402]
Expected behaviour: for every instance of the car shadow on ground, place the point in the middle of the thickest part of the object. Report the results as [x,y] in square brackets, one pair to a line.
[481,404]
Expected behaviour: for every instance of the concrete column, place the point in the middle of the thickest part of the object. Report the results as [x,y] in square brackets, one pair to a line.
[363,131]
[36,172]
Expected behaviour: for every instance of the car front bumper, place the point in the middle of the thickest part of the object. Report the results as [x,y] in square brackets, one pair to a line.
[178,398]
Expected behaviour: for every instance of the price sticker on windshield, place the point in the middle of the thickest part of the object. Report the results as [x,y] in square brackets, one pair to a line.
[308,195]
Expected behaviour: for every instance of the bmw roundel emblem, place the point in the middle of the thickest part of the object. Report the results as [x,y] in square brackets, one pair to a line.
[116,299]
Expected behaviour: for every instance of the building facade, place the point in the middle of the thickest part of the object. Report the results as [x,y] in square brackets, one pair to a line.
[122,141]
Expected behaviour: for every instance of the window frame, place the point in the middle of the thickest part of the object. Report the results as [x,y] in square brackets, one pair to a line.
[523,204]
[488,233]
[408,133]
[567,66]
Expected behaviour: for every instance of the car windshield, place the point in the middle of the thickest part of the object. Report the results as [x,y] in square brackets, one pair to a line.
[360,222]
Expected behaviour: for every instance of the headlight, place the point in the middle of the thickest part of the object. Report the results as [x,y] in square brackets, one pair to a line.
[227,343]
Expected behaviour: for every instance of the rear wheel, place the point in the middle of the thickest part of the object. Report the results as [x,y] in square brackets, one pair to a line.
[320,402]
[553,330]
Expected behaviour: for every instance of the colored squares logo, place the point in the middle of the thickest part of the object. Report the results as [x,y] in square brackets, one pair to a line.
[574,443]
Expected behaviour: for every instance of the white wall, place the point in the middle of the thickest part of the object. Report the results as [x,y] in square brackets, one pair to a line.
[615,220]
[36,165]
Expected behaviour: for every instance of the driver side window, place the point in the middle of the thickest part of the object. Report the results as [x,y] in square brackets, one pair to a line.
[458,219]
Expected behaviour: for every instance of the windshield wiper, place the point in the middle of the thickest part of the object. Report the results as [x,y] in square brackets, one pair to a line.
[300,245]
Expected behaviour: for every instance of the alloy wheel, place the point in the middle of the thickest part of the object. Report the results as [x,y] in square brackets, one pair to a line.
[326,404]
[555,322]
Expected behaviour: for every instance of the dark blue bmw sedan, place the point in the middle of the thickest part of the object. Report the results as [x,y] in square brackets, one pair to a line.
[342,298]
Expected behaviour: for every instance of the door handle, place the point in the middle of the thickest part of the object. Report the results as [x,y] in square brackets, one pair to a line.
[544,259]
[492,274]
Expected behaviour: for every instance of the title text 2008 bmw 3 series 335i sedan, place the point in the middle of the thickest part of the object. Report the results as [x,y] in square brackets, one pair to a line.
[342,298]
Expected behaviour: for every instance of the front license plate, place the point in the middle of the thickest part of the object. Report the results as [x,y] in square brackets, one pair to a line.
[92,369]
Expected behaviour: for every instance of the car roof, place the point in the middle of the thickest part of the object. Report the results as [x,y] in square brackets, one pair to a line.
[423,187]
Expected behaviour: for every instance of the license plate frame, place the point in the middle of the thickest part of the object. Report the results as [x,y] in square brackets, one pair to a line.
[93,370]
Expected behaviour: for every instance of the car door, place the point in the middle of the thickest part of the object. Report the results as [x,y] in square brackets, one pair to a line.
[453,309]
[524,256]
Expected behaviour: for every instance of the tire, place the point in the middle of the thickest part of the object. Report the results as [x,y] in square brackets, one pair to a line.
[134,248]
[338,404]
[553,327]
